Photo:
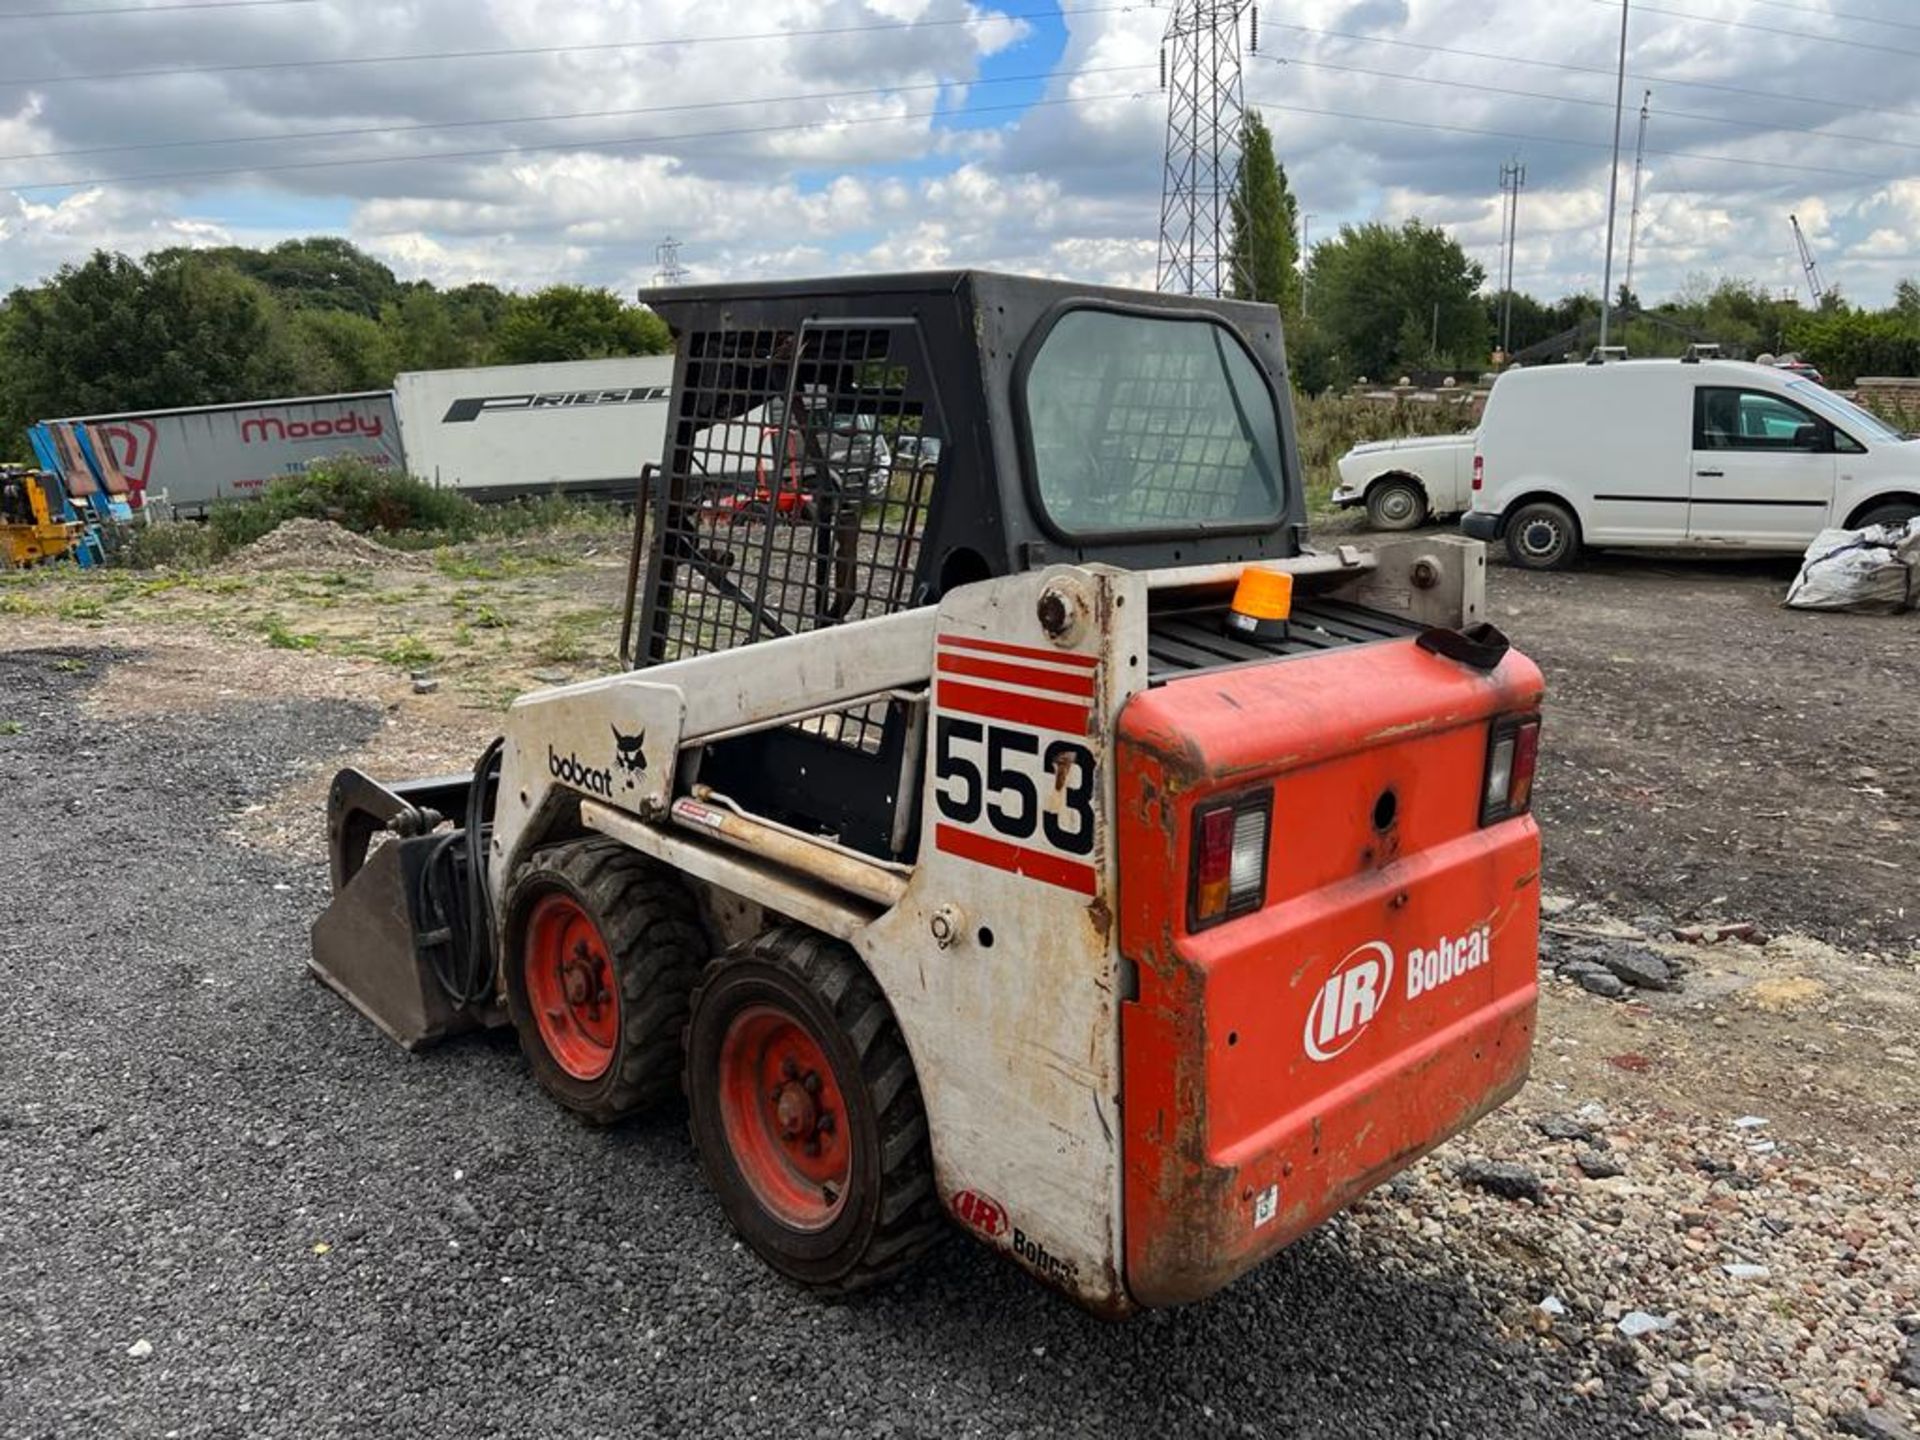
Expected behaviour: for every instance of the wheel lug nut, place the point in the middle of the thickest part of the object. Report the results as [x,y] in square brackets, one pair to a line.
[813,1147]
[812,1082]
[826,1122]
[788,1068]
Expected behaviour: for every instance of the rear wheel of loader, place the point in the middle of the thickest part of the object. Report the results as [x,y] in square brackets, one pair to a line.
[602,952]
[806,1113]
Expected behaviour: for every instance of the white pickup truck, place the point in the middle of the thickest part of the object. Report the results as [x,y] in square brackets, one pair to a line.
[1404,483]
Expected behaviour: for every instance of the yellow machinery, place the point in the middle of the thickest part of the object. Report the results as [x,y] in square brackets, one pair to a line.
[30,528]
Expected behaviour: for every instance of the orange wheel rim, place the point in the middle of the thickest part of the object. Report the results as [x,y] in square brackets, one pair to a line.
[785,1117]
[570,987]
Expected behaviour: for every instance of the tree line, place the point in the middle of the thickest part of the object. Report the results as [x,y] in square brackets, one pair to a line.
[1380,301]
[305,317]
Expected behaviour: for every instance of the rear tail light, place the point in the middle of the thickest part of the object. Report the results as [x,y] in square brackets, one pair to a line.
[1229,858]
[1512,752]
[1479,471]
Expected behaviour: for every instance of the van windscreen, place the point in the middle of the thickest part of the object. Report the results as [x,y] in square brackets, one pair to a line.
[1860,422]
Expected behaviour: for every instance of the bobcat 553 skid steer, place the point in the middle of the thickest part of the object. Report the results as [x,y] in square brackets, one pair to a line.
[1045,839]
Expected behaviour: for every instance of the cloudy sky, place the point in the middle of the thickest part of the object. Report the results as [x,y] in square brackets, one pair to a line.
[783,137]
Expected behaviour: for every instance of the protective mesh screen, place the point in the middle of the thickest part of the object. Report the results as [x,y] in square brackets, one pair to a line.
[790,501]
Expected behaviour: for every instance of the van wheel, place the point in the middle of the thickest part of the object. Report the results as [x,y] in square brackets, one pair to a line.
[1543,535]
[1397,503]
[1897,513]
[807,1118]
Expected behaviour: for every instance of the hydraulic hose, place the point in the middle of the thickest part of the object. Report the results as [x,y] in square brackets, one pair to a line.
[458,937]
[477,954]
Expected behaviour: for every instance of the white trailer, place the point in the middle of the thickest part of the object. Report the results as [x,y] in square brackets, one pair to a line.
[506,430]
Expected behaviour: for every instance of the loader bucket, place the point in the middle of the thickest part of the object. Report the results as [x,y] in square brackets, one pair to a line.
[385,941]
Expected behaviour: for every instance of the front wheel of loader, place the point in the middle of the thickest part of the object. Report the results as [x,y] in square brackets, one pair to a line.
[806,1113]
[602,951]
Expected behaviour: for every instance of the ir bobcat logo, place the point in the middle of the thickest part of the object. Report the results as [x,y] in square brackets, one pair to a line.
[628,754]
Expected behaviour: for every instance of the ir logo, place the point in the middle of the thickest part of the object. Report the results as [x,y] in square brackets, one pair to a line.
[1349,1000]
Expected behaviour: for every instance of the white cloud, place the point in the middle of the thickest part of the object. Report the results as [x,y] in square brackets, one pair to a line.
[1070,189]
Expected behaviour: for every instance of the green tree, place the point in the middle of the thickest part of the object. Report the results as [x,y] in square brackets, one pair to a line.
[1265,243]
[342,350]
[1906,300]
[573,322]
[110,334]
[323,272]
[1847,343]
[1395,299]
[422,333]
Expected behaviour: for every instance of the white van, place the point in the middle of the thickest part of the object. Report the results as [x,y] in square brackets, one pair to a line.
[1689,454]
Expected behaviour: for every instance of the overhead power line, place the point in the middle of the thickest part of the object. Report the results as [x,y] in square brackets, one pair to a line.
[490,152]
[268,136]
[1814,35]
[1567,140]
[1486,89]
[1835,14]
[521,51]
[1646,75]
[148,9]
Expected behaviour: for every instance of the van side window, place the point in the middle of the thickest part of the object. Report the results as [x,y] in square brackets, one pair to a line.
[1728,419]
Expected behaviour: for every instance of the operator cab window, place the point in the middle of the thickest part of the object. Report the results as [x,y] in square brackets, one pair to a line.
[1729,419]
[1141,423]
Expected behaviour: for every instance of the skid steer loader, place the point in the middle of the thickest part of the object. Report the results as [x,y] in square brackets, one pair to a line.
[1045,839]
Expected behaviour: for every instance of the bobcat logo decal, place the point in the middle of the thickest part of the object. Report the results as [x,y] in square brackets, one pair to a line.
[628,755]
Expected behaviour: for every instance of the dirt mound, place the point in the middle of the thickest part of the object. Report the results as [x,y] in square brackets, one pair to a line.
[318,545]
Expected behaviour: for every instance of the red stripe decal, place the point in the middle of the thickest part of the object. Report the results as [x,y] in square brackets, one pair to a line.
[993,704]
[1034,864]
[1079,685]
[1025,652]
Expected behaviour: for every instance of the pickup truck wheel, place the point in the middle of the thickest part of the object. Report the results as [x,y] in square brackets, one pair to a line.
[806,1114]
[1397,503]
[602,950]
[1543,536]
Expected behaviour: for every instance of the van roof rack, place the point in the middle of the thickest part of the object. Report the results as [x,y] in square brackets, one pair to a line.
[1603,353]
[1701,350]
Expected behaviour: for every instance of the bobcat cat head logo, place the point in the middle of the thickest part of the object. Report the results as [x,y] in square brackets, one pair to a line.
[628,754]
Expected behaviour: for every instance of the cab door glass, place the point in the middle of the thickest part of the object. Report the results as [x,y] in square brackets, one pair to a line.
[1756,420]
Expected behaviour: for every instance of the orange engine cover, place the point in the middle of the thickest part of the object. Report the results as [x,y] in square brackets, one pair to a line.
[1280,1064]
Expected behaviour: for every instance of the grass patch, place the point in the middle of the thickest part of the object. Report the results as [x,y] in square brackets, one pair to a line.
[82,607]
[281,638]
[408,652]
[562,644]
[11,727]
[70,665]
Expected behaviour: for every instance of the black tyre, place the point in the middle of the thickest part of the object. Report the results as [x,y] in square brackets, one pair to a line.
[806,1114]
[1543,535]
[1397,503]
[602,951]
[1894,512]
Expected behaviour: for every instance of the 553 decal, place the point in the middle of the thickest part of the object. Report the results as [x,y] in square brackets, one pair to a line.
[1014,800]
[1005,774]
[1013,777]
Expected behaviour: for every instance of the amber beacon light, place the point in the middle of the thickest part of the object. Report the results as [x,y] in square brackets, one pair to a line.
[1262,601]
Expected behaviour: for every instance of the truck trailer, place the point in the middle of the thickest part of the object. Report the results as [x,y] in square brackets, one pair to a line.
[189,458]
[500,431]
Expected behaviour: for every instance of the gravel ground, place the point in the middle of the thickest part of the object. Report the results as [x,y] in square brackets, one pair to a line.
[228,1207]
